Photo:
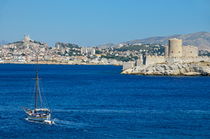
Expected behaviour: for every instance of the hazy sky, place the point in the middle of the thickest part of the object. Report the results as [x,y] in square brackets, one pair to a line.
[93,22]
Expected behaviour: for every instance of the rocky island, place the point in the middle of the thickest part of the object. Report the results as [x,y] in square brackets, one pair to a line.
[177,61]
[186,69]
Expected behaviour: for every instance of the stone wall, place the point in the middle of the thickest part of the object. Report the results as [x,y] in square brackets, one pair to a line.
[128,65]
[155,59]
[139,61]
[166,50]
[190,51]
[150,60]
[188,59]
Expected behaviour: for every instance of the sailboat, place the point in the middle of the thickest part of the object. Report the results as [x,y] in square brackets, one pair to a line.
[39,113]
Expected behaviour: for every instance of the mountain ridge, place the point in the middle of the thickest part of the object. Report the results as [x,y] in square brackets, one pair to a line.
[198,39]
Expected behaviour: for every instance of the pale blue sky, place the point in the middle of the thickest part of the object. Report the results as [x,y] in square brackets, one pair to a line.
[93,22]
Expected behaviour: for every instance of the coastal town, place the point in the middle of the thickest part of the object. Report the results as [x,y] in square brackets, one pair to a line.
[137,58]
[26,51]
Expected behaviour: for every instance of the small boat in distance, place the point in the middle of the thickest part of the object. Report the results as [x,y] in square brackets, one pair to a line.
[39,113]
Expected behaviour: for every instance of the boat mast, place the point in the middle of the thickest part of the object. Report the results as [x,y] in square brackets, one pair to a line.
[37,90]
[37,86]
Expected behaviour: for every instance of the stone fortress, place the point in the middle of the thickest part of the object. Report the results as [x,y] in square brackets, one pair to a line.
[175,54]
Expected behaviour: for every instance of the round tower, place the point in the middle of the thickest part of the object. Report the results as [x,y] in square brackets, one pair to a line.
[175,47]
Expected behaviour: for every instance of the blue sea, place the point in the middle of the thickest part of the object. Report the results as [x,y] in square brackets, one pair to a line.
[97,102]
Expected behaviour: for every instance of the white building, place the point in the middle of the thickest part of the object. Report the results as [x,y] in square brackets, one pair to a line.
[88,51]
[26,38]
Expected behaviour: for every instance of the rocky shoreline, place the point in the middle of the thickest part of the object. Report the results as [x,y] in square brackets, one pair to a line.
[172,69]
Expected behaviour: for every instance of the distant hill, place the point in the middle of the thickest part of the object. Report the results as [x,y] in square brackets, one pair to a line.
[107,45]
[199,39]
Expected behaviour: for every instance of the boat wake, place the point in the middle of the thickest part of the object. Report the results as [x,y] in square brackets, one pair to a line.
[69,124]
[62,123]
[47,122]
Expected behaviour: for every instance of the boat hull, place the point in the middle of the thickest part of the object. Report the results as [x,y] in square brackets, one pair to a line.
[39,116]
[47,121]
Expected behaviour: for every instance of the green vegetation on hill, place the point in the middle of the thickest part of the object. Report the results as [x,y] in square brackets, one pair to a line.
[70,49]
[198,39]
[68,45]
[144,48]
[204,53]
[98,52]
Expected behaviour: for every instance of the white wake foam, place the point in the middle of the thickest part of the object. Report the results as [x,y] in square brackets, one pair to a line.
[69,124]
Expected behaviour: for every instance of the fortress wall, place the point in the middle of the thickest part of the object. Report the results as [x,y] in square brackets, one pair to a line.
[140,60]
[128,65]
[155,59]
[202,59]
[196,59]
[166,51]
[190,51]
[182,59]
[150,60]
[173,60]
[188,59]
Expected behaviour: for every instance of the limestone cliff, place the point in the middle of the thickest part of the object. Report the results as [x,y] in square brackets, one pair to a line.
[187,69]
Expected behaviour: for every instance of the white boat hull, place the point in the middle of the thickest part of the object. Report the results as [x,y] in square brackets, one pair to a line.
[39,116]
[49,122]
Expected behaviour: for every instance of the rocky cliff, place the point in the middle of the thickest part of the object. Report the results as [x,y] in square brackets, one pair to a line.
[176,69]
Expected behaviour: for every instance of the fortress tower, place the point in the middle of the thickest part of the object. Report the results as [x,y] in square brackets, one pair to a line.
[175,47]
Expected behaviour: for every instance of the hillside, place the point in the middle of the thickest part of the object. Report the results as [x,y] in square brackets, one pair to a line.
[199,39]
